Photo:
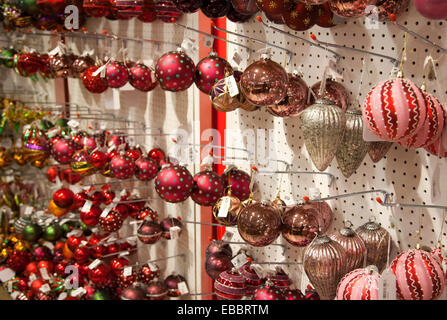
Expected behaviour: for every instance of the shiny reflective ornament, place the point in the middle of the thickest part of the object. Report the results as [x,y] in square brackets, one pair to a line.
[166,11]
[230,285]
[432,9]
[117,74]
[218,246]
[333,91]
[323,214]
[388,7]
[148,12]
[231,216]
[169,223]
[263,83]
[133,293]
[280,279]
[376,240]
[174,183]
[239,182]
[221,98]
[278,204]
[156,290]
[149,232]
[214,9]
[353,148]
[81,163]
[175,71]
[350,8]
[324,262]
[359,284]
[246,7]
[216,263]
[300,225]
[59,65]
[142,78]
[112,222]
[80,64]
[147,273]
[172,282]
[354,246]
[188,6]
[93,83]
[237,17]
[378,150]
[323,126]
[252,280]
[210,70]
[259,224]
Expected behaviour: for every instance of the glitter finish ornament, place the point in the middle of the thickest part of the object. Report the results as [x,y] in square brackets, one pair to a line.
[148,272]
[350,8]
[141,78]
[80,64]
[333,91]
[91,217]
[230,285]
[404,104]
[27,64]
[118,263]
[59,65]
[252,280]
[122,166]
[387,7]
[268,291]
[239,182]
[246,7]
[175,71]
[376,240]
[156,290]
[378,150]
[352,149]
[274,7]
[419,276]
[323,125]
[302,17]
[263,83]
[221,98]
[354,246]
[208,188]
[214,9]
[146,169]
[300,225]
[188,6]
[210,70]
[166,11]
[93,83]
[432,9]
[169,223]
[116,74]
[324,262]
[18,261]
[174,183]
[359,284]
[295,100]
[124,280]
[234,208]
[216,263]
[149,232]
[259,224]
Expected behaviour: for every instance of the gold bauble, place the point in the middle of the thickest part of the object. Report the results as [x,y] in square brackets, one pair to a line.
[233,211]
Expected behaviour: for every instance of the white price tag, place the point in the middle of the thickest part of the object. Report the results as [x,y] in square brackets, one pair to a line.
[237,59]
[55,51]
[73,124]
[78,292]
[132,241]
[14,295]
[127,271]
[62,296]
[334,71]
[239,260]
[83,243]
[101,70]
[224,207]
[28,211]
[87,206]
[174,232]
[112,238]
[387,285]
[76,233]
[94,264]
[230,81]
[183,288]
[105,212]
[227,236]
[188,45]
[44,273]
[45,288]
[124,253]
[153,267]
[208,41]
[7,274]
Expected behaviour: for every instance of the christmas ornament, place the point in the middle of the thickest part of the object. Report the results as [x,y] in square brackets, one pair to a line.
[333,91]
[264,82]
[79,200]
[388,7]
[172,281]
[133,293]
[376,240]
[125,280]
[141,78]
[302,17]
[75,241]
[295,100]
[122,166]
[214,9]
[245,7]
[432,9]
[79,65]
[294,294]
[323,214]
[323,125]
[144,213]
[97,198]
[239,182]
[234,208]
[81,254]
[252,280]
[51,7]
[148,12]
[63,198]
[378,150]
[175,71]
[359,284]
[91,217]
[93,83]
[218,246]
[405,116]
[268,291]
[216,263]
[230,285]
[18,261]
[157,154]
[350,8]
[146,169]
[210,70]
[63,151]
[352,149]
[174,183]
[147,273]
[169,223]
[27,64]
[278,204]
[59,65]
[116,74]
[149,232]
[42,253]
[300,225]
[112,222]
[208,188]
[100,275]
[156,290]
[188,6]
[166,11]
[98,159]
[221,98]
[273,7]
[45,70]
[354,247]
[31,232]
[280,279]
[275,18]
[324,262]
[53,232]
[259,224]
[57,211]
[418,275]
[108,196]
[6,57]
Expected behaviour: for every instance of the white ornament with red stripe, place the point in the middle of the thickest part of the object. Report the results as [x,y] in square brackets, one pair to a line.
[395,109]
[359,284]
[419,275]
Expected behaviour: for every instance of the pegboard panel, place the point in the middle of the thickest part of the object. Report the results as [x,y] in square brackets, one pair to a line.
[412,176]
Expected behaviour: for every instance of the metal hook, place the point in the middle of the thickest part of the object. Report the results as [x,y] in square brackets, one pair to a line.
[206,223]
[331,176]
[284,247]
[155,260]
[346,195]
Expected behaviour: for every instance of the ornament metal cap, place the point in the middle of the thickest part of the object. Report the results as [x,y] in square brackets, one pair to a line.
[265,56]
[322,239]
[347,232]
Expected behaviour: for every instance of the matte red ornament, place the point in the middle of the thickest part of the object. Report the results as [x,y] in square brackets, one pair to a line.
[274,7]
[166,11]
[209,70]
[146,169]
[94,84]
[174,183]
[246,7]
[149,232]
[146,274]
[268,291]
[142,78]
[175,71]
[156,290]
[230,285]
[169,223]
[302,17]
[112,222]
[116,74]
[91,218]
[216,263]
[122,166]
[208,188]
[239,182]
[172,281]
[325,16]
[63,198]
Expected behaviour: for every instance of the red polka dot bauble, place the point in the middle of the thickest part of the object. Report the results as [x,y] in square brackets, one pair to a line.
[294,294]
[146,169]
[395,109]
[63,151]
[239,181]
[122,166]
[209,70]
[302,17]
[175,71]
[141,78]
[91,218]
[146,274]
[230,285]
[112,222]
[419,275]
[63,198]
[116,74]
[174,183]
[169,223]
[268,291]
[100,275]
[125,280]
[149,232]
[166,11]
[118,263]
[359,284]
[93,83]
[208,188]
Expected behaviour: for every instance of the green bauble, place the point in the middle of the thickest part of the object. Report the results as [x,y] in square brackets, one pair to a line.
[46,125]
[6,57]
[53,232]
[101,295]
[70,226]
[62,122]
[29,6]
[21,223]
[32,232]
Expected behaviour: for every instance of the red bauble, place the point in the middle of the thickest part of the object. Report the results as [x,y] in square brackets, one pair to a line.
[100,275]
[239,182]
[230,285]
[251,278]
[112,222]
[208,188]
[73,241]
[156,290]
[302,17]
[98,159]
[97,8]
[97,198]
[134,292]
[156,154]
[174,183]
[36,285]
[42,253]
[188,6]
[97,252]
[268,292]
[70,176]
[31,268]
[294,294]
[94,84]
[27,63]
[116,74]
[51,7]
[134,153]
[146,169]
[218,246]
[63,151]
[63,198]
[134,207]
[60,268]
[88,143]
[108,196]
[148,14]
[280,279]
[81,254]
[125,281]
[149,232]
[18,261]
[141,78]
[216,263]
[273,7]
[118,263]
[325,16]
[79,200]
[169,223]
[209,70]
[47,265]
[146,274]
[166,11]
[52,173]
[246,7]
[122,209]
[172,282]
[145,212]
[91,218]
[175,71]
[122,166]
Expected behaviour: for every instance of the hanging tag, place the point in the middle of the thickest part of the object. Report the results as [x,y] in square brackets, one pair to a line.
[87,206]
[75,188]
[112,238]
[32,278]
[152,266]
[55,51]
[368,136]
[127,271]
[394,71]
[73,124]
[224,207]
[44,273]
[94,264]
[239,260]
[174,232]
[124,253]
[78,292]
[62,296]
[430,64]
[237,59]
[28,211]
[101,70]
[105,212]
[189,46]
[14,295]
[227,236]
[7,274]
[208,41]
[183,288]
[132,241]
[230,81]
[45,288]
[48,244]
[387,285]
[75,233]
[9,179]
[83,243]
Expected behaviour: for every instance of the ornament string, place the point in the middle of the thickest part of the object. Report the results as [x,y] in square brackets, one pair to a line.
[362,75]
[404,54]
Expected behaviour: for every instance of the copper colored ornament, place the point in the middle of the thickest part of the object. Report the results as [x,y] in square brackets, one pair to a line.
[378,150]
[149,232]
[278,204]
[300,225]
[324,262]
[295,100]
[169,223]
[323,213]
[323,126]
[302,17]
[353,148]
[232,215]
[230,285]
[350,8]
[60,64]
[259,224]
[333,91]
[172,281]
[263,83]
[79,65]
[388,7]
[354,246]
[376,240]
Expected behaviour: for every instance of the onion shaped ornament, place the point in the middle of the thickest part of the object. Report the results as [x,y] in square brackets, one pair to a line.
[230,285]
[359,284]
[376,240]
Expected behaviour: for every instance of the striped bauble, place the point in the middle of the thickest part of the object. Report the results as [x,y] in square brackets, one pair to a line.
[230,285]
[359,284]
[419,275]
[395,109]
